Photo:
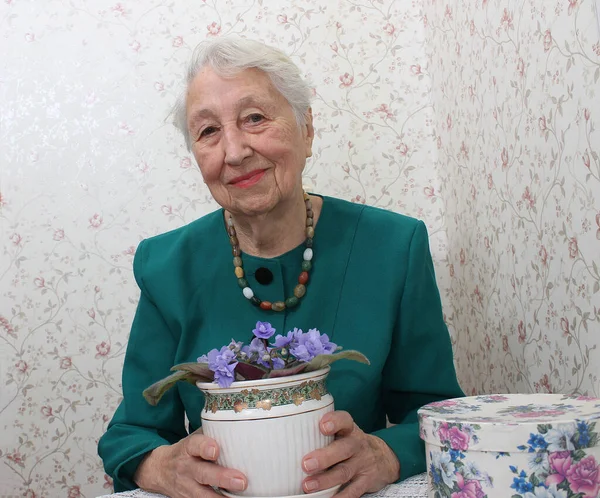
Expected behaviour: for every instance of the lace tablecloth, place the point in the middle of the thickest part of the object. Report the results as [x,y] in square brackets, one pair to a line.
[414,487]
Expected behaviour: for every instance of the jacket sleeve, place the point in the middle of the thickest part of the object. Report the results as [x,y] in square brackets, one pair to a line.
[419,368]
[137,427]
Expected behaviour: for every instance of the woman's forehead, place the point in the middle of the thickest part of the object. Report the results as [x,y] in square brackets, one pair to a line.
[209,92]
[250,81]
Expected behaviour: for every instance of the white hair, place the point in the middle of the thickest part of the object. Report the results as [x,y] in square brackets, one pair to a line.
[229,56]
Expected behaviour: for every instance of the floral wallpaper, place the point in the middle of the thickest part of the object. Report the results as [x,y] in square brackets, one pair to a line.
[478,118]
[515,87]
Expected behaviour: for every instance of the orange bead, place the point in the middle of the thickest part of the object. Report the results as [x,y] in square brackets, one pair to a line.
[265,305]
[303,278]
[239,272]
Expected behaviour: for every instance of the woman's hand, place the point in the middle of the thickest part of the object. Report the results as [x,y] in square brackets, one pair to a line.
[187,469]
[364,462]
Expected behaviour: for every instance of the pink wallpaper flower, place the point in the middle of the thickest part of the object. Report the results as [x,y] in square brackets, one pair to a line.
[530,127]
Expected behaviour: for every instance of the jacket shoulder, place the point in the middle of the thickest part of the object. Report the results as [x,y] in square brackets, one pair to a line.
[163,254]
[376,221]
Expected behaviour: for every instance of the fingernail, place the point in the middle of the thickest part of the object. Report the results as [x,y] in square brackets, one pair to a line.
[311,485]
[311,464]
[236,484]
[210,452]
[328,427]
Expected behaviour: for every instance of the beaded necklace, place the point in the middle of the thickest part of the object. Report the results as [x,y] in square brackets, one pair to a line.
[299,290]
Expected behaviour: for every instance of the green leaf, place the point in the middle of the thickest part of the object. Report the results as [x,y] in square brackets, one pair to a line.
[156,391]
[323,360]
[293,370]
[446,490]
[200,369]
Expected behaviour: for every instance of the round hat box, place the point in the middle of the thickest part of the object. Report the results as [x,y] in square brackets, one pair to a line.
[513,446]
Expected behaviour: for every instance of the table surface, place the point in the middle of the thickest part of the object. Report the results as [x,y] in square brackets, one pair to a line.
[414,487]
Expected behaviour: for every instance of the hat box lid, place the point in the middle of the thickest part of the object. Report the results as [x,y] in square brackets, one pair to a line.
[512,423]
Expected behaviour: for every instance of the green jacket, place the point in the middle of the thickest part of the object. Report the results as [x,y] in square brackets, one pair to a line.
[372,288]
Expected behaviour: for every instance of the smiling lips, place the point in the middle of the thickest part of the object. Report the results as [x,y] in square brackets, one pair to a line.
[249,179]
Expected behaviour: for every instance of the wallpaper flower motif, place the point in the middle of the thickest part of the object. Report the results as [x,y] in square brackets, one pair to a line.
[480,118]
[518,159]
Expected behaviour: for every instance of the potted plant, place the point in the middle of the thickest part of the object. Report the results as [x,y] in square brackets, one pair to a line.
[264,399]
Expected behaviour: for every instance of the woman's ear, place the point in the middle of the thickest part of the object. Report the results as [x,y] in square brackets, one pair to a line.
[308,132]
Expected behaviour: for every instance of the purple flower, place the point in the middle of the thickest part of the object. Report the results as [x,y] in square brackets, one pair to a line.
[224,376]
[235,346]
[202,359]
[256,347]
[263,330]
[312,344]
[301,353]
[328,346]
[282,341]
[278,363]
[218,358]
[223,364]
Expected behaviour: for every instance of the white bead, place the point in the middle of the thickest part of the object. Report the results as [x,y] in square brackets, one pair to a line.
[248,294]
[308,254]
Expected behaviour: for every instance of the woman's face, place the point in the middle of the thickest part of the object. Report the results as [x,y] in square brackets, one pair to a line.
[246,141]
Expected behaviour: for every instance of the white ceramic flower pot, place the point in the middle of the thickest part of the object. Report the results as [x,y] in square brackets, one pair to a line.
[265,427]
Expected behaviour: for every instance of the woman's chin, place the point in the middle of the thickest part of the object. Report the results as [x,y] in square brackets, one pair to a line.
[254,203]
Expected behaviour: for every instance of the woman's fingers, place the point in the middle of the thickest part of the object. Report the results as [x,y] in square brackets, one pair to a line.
[189,488]
[201,446]
[205,451]
[211,474]
[338,451]
[337,423]
[341,473]
[362,463]
[357,488]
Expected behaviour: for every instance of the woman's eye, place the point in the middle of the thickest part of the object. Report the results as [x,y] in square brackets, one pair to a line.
[209,130]
[255,118]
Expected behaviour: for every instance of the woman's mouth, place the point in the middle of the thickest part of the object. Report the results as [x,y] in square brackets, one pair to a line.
[246,181]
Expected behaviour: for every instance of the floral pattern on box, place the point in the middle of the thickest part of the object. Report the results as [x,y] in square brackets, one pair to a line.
[451,473]
[559,466]
[512,409]
[514,445]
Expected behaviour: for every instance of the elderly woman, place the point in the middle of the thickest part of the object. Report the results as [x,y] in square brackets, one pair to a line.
[247,119]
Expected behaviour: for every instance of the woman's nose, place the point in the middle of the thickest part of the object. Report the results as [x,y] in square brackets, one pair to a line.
[235,146]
